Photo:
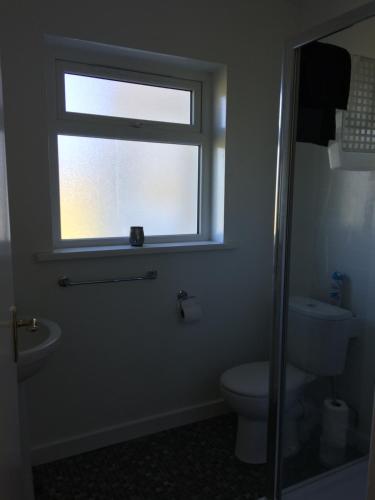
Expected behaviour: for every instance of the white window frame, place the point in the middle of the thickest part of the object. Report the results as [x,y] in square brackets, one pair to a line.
[62,122]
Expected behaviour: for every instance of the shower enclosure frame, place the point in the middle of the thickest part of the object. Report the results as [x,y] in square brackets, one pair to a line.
[282,229]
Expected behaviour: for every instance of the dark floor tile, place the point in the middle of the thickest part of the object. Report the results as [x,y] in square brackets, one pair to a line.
[193,462]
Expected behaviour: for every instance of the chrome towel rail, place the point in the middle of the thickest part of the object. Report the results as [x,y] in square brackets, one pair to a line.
[64,281]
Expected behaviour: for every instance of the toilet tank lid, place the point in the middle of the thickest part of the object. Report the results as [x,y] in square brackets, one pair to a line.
[316,309]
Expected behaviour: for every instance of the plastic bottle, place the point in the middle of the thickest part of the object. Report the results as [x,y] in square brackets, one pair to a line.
[336,288]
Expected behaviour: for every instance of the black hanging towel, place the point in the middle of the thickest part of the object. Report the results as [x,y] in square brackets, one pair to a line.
[323,87]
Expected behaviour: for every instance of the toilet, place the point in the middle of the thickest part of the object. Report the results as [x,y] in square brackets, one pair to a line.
[318,337]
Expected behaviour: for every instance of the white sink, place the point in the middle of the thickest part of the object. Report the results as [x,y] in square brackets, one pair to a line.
[34,348]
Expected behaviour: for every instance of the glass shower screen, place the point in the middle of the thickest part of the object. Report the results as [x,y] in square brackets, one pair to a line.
[324,345]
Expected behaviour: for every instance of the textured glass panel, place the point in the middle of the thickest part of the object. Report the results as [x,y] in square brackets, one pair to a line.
[108,185]
[358,133]
[98,96]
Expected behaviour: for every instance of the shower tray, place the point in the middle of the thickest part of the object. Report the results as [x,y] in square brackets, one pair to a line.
[349,482]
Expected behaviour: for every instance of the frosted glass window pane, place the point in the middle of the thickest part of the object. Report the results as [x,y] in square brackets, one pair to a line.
[98,96]
[108,185]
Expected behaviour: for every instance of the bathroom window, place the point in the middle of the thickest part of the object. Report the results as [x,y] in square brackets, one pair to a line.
[128,148]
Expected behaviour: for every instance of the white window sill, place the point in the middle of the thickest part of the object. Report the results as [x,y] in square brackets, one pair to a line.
[126,250]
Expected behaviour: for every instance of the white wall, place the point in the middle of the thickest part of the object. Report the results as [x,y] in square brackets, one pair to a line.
[124,356]
[334,229]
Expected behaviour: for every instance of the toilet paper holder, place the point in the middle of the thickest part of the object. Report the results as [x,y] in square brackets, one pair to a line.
[183,295]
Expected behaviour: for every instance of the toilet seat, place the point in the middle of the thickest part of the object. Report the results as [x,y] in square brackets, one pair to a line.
[252,379]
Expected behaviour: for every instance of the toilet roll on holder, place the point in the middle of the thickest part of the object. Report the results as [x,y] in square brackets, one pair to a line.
[188,310]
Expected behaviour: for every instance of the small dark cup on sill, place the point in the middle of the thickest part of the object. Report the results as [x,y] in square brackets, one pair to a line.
[136,237]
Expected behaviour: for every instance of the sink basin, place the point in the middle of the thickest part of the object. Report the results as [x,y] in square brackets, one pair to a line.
[34,348]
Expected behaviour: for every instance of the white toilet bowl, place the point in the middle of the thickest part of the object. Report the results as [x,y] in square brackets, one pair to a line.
[245,389]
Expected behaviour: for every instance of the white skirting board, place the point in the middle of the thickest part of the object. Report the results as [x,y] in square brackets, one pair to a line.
[124,432]
[348,482]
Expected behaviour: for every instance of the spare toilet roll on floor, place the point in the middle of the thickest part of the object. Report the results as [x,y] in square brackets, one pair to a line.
[189,310]
[334,432]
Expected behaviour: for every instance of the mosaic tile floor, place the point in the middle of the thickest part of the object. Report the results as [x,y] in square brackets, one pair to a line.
[194,462]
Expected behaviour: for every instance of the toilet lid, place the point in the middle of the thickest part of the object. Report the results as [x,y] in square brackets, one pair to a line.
[252,379]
